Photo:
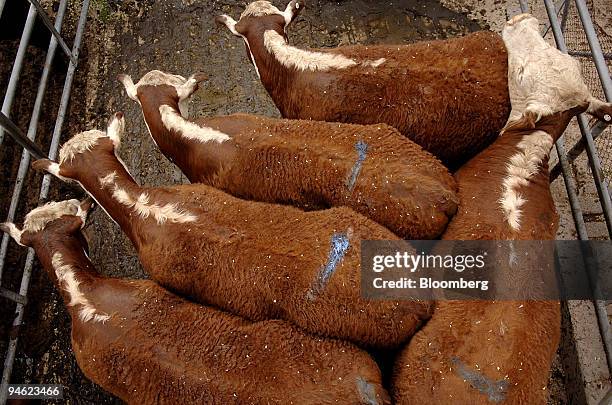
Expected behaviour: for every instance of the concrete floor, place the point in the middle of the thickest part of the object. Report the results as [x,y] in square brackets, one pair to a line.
[136,36]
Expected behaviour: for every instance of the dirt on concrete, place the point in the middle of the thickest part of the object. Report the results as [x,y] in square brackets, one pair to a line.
[136,36]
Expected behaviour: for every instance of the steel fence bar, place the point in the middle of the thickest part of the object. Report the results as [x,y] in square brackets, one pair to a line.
[7,103]
[602,188]
[606,84]
[13,296]
[600,309]
[568,177]
[564,4]
[578,148]
[566,7]
[20,138]
[45,18]
[61,115]
[600,63]
[27,272]
[1,7]
[25,158]
[586,54]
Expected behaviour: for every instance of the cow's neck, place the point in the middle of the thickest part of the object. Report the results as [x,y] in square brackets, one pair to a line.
[107,182]
[172,145]
[276,77]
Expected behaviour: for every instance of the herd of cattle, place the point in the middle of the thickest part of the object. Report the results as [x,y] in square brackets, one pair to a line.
[241,307]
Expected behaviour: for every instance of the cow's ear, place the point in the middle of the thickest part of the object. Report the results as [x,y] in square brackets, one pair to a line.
[292,10]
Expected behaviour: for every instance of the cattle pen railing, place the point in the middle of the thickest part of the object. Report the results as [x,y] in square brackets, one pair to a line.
[557,22]
[28,141]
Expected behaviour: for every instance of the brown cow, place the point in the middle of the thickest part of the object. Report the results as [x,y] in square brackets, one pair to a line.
[481,352]
[449,96]
[256,260]
[148,346]
[309,164]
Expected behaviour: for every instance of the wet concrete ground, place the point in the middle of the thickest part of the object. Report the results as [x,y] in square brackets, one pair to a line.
[180,37]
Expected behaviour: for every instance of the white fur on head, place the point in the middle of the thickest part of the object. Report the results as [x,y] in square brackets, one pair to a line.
[85,141]
[38,218]
[259,9]
[184,87]
[66,278]
[541,79]
[78,144]
[263,8]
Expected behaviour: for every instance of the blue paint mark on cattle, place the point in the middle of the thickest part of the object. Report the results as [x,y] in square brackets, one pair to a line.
[339,245]
[367,392]
[495,390]
[362,152]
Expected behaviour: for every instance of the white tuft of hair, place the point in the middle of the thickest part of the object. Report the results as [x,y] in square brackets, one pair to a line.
[292,57]
[174,121]
[39,217]
[533,149]
[184,87]
[159,78]
[143,207]
[116,129]
[67,280]
[259,9]
[79,143]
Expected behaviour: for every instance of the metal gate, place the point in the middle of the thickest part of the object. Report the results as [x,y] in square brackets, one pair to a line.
[558,22]
[27,141]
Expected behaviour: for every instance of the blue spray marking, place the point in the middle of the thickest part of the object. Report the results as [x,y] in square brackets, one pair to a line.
[362,151]
[367,392]
[339,245]
[495,390]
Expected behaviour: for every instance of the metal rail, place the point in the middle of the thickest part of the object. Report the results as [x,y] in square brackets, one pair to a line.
[600,308]
[7,103]
[21,298]
[45,19]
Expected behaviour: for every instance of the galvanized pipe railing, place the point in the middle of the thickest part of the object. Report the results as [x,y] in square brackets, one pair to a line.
[7,103]
[43,16]
[44,189]
[600,307]
[25,158]
[21,138]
